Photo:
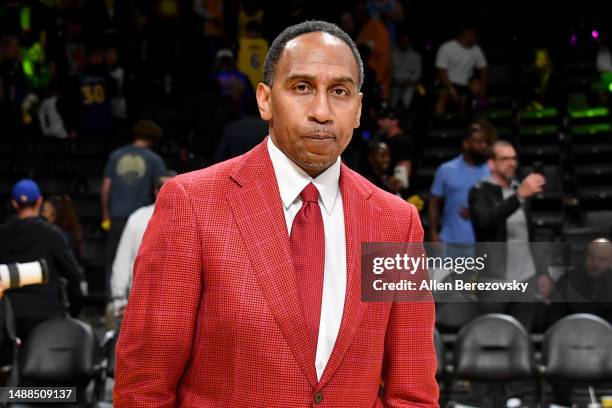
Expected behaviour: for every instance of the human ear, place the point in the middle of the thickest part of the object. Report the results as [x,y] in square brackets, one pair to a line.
[358,117]
[264,99]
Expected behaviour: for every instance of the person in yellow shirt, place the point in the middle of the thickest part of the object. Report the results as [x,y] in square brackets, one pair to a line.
[252,53]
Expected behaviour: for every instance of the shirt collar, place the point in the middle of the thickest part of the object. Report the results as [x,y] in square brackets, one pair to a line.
[292,179]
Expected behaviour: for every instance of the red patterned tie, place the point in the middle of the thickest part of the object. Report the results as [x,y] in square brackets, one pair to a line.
[308,249]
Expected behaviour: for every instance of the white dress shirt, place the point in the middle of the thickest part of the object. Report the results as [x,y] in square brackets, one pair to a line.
[131,238]
[291,181]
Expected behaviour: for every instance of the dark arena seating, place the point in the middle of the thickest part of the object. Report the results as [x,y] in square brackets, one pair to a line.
[162,62]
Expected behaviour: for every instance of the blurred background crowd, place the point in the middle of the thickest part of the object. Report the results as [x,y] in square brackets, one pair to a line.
[493,120]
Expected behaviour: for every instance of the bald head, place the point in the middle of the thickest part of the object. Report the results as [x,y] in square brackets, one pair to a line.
[599,257]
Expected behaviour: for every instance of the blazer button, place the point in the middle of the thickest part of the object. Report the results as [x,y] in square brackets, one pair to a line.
[318,398]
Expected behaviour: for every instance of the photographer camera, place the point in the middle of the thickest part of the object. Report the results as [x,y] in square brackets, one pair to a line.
[17,275]
[28,237]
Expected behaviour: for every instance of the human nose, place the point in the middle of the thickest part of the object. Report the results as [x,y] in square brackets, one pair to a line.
[320,109]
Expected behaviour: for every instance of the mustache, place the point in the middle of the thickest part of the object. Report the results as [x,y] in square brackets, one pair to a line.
[319,133]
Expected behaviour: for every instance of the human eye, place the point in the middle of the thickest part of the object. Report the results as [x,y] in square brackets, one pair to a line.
[340,92]
[302,88]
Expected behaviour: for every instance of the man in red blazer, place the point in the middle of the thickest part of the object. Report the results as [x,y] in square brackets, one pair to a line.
[247,287]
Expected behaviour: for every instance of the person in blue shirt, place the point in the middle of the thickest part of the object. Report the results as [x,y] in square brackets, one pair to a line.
[451,185]
[129,176]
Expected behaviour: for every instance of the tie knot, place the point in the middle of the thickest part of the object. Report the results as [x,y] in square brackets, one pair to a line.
[310,193]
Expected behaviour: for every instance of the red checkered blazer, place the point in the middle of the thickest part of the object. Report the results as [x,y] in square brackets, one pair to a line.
[214,316]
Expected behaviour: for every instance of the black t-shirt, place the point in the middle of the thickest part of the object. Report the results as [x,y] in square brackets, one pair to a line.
[30,239]
[401,149]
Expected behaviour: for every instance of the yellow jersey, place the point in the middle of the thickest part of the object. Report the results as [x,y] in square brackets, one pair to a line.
[251,57]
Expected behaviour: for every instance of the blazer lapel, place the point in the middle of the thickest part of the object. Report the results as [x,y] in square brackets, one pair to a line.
[359,216]
[258,211]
